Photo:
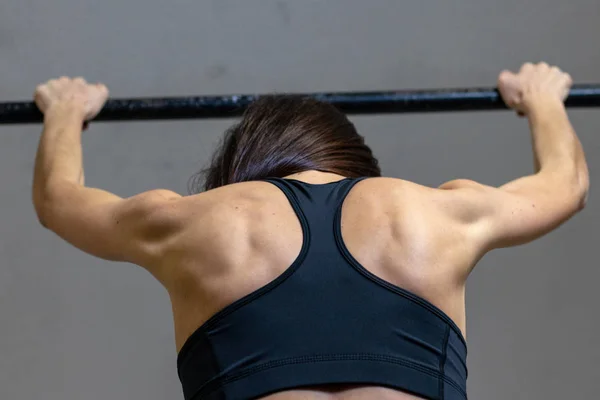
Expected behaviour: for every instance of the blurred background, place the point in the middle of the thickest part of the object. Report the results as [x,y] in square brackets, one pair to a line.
[75,327]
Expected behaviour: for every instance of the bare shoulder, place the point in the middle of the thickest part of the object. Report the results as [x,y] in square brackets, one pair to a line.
[250,196]
[219,214]
[422,219]
[396,185]
[240,217]
[457,203]
[456,210]
[409,209]
[227,201]
[395,191]
[220,200]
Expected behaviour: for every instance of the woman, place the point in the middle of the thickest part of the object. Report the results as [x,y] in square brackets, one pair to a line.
[300,273]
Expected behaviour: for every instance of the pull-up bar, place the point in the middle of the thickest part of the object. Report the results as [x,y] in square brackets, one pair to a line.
[415,101]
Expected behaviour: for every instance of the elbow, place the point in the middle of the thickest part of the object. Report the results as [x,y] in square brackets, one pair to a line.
[45,201]
[573,188]
[572,197]
[584,188]
[582,204]
[583,199]
[42,214]
[42,209]
[577,200]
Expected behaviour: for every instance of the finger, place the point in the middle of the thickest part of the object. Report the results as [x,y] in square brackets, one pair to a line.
[63,80]
[40,92]
[509,82]
[39,88]
[568,78]
[53,83]
[102,87]
[80,81]
[505,76]
[543,65]
[40,96]
[509,86]
[558,76]
[554,75]
[568,82]
[526,67]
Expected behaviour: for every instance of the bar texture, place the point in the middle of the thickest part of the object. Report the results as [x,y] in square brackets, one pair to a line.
[353,103]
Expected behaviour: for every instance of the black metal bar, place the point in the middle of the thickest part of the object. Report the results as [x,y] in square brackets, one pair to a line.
[355,103]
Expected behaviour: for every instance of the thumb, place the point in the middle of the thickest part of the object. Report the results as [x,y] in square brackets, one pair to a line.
[509,86]
[508,81]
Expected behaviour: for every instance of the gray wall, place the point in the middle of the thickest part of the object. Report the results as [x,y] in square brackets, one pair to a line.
[74,327]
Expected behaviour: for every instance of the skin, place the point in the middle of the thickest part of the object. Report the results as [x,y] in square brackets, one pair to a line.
[426,240]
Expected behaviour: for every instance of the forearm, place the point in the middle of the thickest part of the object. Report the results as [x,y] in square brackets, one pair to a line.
[557,149]
[59,156]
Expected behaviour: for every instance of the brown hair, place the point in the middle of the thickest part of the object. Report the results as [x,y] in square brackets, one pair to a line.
[281,135]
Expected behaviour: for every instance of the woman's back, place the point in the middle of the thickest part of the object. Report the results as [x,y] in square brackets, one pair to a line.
[248,234]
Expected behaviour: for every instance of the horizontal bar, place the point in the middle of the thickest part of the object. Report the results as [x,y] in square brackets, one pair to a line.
[355,103]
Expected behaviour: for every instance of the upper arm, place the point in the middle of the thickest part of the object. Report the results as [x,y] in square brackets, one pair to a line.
[513,214]
[100,223]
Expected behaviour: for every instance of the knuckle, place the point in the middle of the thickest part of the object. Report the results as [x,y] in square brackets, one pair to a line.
[569,78]
[527,68]
[102,88]
[504,77]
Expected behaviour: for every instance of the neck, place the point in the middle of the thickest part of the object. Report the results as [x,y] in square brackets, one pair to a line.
[316,177]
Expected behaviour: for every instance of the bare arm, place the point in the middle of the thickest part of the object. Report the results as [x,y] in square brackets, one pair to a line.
[529,207]
[93,220]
